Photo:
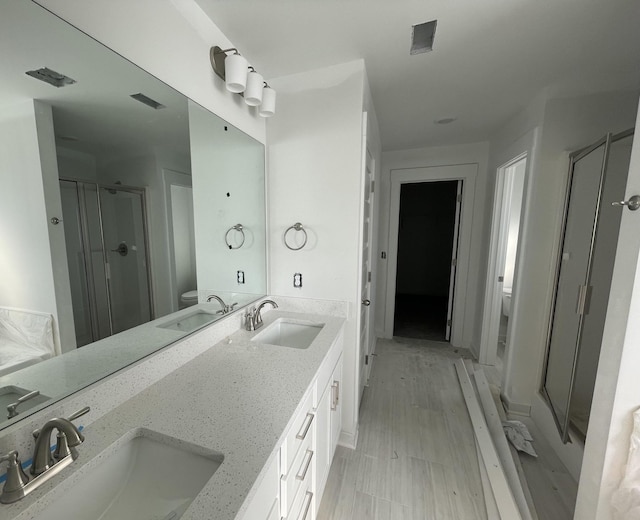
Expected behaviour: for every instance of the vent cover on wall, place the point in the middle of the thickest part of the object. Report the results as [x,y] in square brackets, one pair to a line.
[422,36]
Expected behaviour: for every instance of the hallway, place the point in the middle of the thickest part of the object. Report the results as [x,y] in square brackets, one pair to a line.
[416,456]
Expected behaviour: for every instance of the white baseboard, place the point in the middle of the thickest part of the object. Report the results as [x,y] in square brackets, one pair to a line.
[515,408]
[348,439]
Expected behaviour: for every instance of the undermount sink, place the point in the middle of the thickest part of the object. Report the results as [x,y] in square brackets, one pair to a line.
[190,322]
[147,477]
[286,333]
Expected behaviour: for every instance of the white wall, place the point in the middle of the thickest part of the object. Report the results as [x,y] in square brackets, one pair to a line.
[476,153]
[174,47]
[53,207]
[314,157]
[24,225]
[76,165]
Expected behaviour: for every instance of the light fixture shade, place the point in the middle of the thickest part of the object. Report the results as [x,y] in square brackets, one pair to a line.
[253,92]
[236,68]
[268,107]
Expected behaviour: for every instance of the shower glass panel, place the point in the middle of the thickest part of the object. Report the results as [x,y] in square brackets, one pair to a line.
[598,176]
[124,233]
[106,242]
[603,259]
[574,265]
[76,261]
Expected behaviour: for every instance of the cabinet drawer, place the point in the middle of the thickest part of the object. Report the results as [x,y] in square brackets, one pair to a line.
[302,507]
[301,430]
[303,466]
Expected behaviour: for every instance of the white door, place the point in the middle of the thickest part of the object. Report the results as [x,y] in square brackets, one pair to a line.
[454,262]
[368,189]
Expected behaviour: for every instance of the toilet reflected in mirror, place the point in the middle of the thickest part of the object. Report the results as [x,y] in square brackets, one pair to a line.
[189,298]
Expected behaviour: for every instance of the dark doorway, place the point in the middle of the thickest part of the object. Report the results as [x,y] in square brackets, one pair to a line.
[426,234]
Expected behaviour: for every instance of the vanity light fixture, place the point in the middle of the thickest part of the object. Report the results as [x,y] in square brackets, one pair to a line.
[253,92]
[241,78]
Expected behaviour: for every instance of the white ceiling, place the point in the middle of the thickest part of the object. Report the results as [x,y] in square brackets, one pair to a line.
[490,57]
[97,110]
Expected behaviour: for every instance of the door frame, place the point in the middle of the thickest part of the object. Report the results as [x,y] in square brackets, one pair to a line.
[454,261]
[172,178]
[526,144]
[467,173]
[492,308]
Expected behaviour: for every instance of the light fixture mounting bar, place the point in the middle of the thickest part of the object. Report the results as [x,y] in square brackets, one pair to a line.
[217,56]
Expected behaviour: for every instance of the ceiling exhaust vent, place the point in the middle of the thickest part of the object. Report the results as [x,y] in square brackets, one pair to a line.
[148,101]
[422,36]
[51,76]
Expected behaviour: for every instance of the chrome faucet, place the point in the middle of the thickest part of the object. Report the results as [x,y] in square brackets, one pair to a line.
[226,309]
[253,317]
[44,466]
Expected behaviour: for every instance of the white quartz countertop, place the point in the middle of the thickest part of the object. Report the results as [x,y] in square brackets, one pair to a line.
[237,398]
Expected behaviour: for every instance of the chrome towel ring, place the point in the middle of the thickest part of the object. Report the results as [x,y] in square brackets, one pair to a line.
[239,228]
[296,227]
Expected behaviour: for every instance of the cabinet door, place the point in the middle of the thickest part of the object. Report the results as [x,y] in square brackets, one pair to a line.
[335,390]
[323,440]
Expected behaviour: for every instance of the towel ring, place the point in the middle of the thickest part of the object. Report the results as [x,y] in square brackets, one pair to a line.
[237,227]
[296,227]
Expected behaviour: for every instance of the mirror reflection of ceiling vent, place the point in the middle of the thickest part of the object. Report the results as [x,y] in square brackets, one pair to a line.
[422,36]
[51,76]
[148,101]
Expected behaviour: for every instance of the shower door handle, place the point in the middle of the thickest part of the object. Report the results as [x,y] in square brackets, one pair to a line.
[366,303]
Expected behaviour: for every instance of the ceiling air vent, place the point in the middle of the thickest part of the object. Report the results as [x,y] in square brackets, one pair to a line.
[51,76]
[422,36]
[148,101]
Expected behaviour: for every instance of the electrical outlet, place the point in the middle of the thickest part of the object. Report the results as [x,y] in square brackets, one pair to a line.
[240,276]
[297,280]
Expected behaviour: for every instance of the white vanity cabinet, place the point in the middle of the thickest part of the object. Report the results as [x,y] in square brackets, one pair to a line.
[292,486]
[328,426]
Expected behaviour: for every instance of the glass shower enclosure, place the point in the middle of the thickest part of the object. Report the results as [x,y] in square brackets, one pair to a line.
[597,177]
[107,254]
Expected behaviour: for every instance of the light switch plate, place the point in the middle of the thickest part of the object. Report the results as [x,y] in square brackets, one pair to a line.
[240,276]
[297,280]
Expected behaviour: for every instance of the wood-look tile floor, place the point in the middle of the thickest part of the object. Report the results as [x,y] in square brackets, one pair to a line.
[416,455]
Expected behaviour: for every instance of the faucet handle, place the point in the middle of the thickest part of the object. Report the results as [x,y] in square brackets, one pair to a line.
[16,478]
[79,413]
[72,417]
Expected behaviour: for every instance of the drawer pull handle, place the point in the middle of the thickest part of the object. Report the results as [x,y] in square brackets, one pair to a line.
[335,398]
[305,426]
[306,462]
[305,509]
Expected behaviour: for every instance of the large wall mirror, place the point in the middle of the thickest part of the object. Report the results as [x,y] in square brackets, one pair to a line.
[124,206]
